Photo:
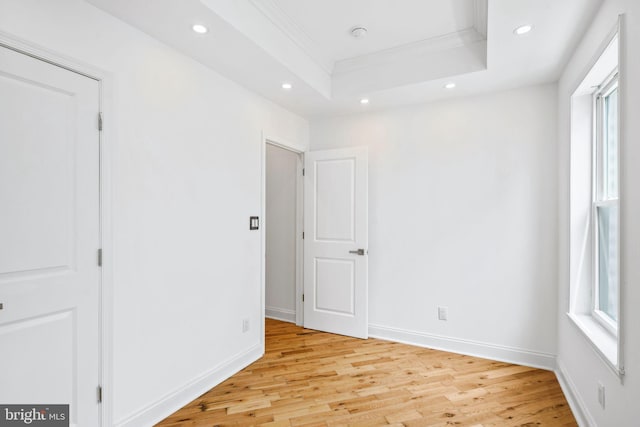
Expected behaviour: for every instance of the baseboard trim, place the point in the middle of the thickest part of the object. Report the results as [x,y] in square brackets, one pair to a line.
[175,400]
[280,314]
[579,409]
[500,353]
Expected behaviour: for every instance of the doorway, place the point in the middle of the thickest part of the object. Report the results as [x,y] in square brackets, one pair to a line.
[283,232]
[331,262]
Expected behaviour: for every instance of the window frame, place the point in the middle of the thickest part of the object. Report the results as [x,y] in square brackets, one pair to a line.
[608,56]
[599,200]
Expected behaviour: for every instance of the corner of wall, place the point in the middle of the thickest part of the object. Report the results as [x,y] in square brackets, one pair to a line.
[171,402]
[578,407]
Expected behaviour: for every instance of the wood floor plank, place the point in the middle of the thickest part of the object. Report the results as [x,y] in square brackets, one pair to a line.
[310,378]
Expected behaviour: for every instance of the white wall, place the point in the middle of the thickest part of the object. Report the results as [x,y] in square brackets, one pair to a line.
[280,222]
[186,175]
[462,210]
[581,367]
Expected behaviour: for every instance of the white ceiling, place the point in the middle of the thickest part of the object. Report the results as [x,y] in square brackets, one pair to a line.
[413,47]
[390,23]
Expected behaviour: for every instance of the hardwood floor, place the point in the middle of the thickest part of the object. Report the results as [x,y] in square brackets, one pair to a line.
[310,378]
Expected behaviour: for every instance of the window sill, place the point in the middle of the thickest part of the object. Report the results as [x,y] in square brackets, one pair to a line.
[603,341]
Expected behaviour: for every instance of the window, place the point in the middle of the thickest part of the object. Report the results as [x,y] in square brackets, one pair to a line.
[606,227]
[594,214]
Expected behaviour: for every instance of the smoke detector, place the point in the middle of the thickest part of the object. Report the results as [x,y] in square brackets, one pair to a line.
[358,32]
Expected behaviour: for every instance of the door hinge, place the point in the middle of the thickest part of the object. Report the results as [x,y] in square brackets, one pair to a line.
[99,394]
[302,297]
[100,121]
[303,235]
[302,171]
[100,257]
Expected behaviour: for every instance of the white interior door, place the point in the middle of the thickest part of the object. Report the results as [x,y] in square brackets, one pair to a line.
[336,241]
[49,236]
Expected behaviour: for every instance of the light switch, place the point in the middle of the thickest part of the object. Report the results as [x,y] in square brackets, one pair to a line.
[254,223]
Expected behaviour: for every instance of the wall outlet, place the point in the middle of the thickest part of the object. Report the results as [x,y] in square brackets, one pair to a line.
[601,396]
[245,325]
[443,313]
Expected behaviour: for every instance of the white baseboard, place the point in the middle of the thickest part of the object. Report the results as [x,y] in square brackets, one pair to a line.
[280,314]
[175,400]
[471,348]
[579,409]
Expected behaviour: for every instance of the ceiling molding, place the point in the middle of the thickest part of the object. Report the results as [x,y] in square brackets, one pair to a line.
[248,44]
[409,69]
[279,18]
[409,51]
[480,14]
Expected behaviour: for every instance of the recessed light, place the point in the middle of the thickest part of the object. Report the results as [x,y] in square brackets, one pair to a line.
[287,86]
[523,29]
[450,85]
[364,101]
[200,29]
[358,32]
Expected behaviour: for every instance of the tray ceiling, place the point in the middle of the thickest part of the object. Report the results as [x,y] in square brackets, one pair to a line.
[411,50]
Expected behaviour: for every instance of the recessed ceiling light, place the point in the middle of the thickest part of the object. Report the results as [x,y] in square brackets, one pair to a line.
[450,85]
[358,32]
[287,86]
[364,101]
[523,29]
[199,28]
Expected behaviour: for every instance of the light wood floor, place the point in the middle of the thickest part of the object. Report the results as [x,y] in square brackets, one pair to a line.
[310,378]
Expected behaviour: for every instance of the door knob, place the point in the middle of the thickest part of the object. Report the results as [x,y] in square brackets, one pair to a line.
[357,252]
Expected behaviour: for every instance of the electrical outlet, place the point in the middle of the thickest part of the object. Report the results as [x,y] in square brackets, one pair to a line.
[443,313]
[245,325]
[601,396]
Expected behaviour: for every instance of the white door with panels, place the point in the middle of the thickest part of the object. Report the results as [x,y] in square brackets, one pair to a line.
[49,236]
[336,241]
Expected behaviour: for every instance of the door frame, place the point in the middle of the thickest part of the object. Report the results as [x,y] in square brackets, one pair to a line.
[299,150]
[106,161]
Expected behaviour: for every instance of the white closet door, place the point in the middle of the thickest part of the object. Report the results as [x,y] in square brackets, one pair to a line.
[49,236]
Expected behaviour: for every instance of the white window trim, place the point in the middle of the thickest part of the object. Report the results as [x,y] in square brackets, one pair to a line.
[605,321]
[607,346]
[606,88]
[604,343]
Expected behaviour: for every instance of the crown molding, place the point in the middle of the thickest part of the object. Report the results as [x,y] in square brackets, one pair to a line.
[409,52]
[279,18]
[287,25]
